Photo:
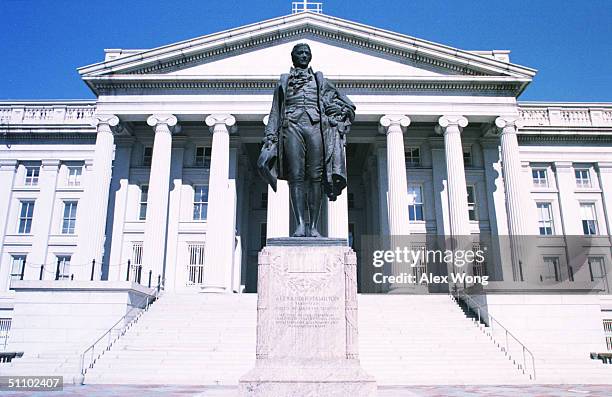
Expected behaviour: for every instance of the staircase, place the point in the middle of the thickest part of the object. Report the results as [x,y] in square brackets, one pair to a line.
[210,339]
[59,361]
[557,360]
[200,339]
[427,340]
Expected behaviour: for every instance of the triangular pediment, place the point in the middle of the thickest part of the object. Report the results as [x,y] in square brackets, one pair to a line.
[333,60]
[340,48]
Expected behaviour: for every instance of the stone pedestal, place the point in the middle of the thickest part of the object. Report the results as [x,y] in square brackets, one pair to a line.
[307,341]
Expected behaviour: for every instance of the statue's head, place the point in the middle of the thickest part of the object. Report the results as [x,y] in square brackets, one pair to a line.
[301,55]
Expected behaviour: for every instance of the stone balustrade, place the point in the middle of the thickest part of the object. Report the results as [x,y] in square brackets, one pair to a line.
[47,113]
[565,115]
[533,114]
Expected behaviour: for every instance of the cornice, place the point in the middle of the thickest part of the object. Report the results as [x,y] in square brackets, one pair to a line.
[44,131]
[490,86]
[556,138]
[48,135]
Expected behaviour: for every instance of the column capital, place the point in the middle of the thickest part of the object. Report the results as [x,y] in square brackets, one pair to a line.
[393,120]
[104,119]
[112,122]
[224,120]
[445,122]
[169,120]
[508,124]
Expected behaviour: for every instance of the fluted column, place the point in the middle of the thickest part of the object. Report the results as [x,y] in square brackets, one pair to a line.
[219,247]
[397,199]
[515,194]
[393,126]
[93,212]
[278,213]
[451,127]
[159,190]
[511,168]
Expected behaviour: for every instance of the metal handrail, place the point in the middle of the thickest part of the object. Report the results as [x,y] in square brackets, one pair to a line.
[147,300]
[475,306]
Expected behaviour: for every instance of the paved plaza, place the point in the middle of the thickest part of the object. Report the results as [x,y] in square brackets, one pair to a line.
[404,391]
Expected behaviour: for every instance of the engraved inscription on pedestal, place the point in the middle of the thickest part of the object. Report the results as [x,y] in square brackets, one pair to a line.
[307,324]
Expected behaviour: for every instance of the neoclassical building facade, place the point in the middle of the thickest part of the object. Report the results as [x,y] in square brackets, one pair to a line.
[155,181]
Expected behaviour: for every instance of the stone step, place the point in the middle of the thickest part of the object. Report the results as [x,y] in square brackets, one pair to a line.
[403,339]
[173,343]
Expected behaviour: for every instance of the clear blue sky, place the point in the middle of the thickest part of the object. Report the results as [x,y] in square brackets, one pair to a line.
[42,42]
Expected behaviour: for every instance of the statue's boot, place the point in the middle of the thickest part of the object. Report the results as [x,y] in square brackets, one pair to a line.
[298,207]
[314,207]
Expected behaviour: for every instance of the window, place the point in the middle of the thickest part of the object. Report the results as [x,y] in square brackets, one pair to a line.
[69,221]
[200,202]
[144,197]
[415,203]
[147,157]
[202,157]
[18,267]
[413,157]
[62,272]
[32,174]
[583,178]
[471,199]
[5,329]
[545,221]
[264,200]
[589,220]
[25,217]
[195,268]
[137,253]
[467,157]
[539,177]
[596,267]
[136,262]
[607,323]
[74,176]
[479,268]
[551,269]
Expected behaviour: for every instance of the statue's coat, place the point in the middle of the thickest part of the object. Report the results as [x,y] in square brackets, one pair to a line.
[272,162]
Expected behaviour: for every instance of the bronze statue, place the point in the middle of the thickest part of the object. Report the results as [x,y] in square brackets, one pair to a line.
[305,139]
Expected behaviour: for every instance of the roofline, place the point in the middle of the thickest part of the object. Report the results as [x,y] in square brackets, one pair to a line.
[48,101]
[369,33]
[563,104]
